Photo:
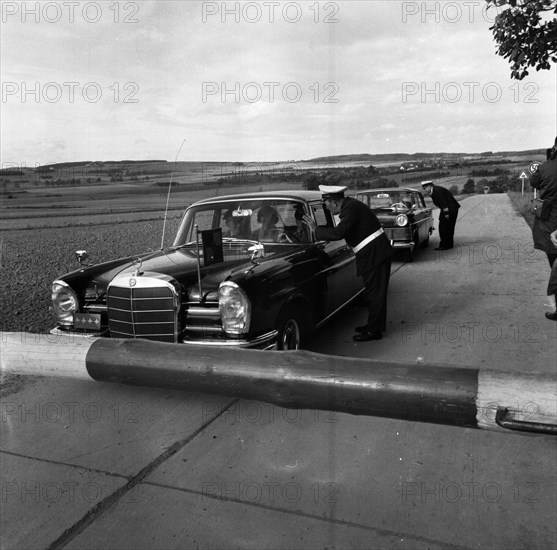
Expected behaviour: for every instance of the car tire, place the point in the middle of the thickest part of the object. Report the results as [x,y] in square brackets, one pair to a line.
[425,242]
[291,329]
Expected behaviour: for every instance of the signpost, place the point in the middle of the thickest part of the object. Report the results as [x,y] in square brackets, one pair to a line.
[523,177]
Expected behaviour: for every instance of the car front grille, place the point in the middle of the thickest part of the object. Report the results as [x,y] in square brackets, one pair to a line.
[143,307]
[204,319]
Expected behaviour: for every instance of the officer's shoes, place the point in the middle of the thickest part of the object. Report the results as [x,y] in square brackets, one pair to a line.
[367,336]
[550,316]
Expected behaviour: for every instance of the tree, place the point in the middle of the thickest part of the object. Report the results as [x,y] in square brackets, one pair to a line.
[501,184]
[311,182]
[469,187]
[481,184]
[523,36]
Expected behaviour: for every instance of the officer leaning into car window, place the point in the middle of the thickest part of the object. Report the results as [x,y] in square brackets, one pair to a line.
[448,212]
[362,231]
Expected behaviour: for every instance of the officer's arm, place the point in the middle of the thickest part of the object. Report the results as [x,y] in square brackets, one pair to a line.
[340,231]
[441,200]
[330,233]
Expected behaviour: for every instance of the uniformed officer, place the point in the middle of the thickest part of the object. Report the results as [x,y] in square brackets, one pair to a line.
[448,212]
[362,231]
[544,179]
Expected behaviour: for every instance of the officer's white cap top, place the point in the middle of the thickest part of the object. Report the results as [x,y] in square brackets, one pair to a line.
[334,190]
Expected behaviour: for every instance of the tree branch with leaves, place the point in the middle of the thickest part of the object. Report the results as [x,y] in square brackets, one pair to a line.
[526,34]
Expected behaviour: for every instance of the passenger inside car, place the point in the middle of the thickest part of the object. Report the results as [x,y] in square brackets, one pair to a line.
[268,218]
[300,234]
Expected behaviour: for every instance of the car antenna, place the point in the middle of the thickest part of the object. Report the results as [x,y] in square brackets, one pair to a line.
[168,194]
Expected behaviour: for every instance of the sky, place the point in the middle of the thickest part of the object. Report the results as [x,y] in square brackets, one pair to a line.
[260,81]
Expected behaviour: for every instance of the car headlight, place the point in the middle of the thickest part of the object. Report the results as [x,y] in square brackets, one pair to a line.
[64,302]
[235,308]
[401,220]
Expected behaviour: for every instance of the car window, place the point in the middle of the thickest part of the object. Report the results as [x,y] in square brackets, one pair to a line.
[363,198]
[419,200]
[205,220]
[384,199]
[264,220]
[322,215]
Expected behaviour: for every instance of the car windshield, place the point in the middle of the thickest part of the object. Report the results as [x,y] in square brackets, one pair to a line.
[261,220]
[387,199]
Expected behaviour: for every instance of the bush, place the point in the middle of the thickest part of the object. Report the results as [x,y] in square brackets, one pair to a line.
[469,187]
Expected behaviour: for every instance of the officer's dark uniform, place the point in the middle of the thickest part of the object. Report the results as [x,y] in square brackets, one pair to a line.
[448,213]
[373,261]
[545,181]
[545,221]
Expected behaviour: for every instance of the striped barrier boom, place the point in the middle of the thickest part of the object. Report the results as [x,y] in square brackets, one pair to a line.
[439,394]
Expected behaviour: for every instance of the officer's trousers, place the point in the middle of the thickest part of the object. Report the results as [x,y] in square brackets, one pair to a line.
[376,283]
[446,229]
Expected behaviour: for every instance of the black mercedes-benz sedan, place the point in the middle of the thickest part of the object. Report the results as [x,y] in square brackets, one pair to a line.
[243,271]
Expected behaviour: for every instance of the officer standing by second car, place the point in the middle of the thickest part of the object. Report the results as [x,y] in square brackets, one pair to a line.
[448,212]
[362,231]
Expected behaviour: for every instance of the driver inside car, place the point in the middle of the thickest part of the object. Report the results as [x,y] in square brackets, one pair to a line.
[236,226]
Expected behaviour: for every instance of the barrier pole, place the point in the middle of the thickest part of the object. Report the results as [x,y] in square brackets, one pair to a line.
[440,394]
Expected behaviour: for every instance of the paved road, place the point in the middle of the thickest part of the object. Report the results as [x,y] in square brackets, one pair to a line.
[92,465]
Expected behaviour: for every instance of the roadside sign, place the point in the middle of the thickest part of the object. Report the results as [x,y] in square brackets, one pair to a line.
[523,177]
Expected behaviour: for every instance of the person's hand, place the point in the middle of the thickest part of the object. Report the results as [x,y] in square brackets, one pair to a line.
[310,222]
[553,237]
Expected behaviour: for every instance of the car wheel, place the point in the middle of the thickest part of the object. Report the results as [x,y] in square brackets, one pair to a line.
[425,242]
[290,329]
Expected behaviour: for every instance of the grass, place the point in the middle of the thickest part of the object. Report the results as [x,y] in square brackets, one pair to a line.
[523,205]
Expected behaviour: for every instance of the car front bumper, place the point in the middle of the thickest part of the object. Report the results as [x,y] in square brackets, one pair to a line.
[401,244]
[264,341]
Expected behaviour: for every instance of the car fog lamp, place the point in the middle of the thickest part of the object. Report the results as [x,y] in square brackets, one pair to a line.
[234,308]
[401,220]
[64,302]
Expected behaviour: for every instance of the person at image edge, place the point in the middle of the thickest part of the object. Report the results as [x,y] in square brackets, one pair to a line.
[362,231]
[544,180]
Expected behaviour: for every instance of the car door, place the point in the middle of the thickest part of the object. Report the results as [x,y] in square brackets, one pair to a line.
[338,265]
[422,216]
